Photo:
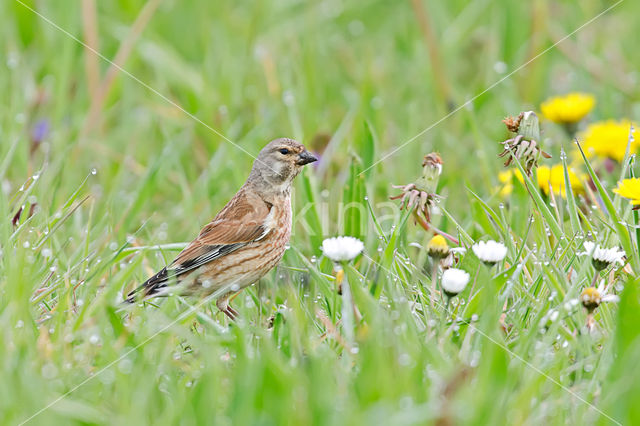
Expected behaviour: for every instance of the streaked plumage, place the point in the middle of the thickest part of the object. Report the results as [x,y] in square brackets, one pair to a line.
[245,240]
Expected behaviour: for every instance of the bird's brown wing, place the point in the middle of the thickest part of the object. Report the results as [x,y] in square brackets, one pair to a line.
[217,239]
[244,220]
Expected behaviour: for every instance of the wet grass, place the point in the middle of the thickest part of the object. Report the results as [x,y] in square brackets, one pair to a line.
[97,194]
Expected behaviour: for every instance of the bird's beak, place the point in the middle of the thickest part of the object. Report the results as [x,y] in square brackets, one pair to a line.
[305,157]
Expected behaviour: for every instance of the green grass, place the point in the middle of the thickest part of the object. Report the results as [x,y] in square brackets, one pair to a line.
[114,195]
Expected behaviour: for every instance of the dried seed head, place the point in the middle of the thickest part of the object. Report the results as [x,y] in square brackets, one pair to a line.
[524,146]
[433,160]
[513,123]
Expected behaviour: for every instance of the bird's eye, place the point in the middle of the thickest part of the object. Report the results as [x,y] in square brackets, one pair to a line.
[283,151]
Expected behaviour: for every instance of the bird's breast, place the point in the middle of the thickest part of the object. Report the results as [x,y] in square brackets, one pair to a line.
[282,220]
[248,264]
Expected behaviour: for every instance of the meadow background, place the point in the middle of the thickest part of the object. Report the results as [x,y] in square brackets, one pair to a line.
[103,171]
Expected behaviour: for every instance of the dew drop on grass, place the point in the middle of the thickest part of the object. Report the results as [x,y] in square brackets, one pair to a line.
[94,171]
[288,98]
[26,244]
[475,358]
[107,376]
[404,359]
[49,371]
[125,366]
[500,67]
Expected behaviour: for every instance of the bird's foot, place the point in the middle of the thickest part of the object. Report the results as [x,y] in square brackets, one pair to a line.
[231,313]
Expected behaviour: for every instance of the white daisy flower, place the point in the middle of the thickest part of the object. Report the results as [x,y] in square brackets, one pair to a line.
[454,281]
[340,249]
[592,297]
[490,252]
[601,258]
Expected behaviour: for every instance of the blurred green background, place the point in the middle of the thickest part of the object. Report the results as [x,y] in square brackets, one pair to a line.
[351,80]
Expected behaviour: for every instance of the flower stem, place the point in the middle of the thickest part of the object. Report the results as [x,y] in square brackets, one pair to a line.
[428,227]
[347,310]
[434,281]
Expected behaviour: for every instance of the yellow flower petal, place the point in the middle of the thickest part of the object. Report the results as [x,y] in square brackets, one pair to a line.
[570,108]
[553,178]
[629,188]
[609,139]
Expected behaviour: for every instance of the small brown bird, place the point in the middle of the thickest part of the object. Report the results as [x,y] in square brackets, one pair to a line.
[245,240]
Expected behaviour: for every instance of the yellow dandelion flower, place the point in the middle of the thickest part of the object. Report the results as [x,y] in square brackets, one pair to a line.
[438,247]
[609,139]
[548,177]
[553,178]
[567,109]
[505,178]
[630,189]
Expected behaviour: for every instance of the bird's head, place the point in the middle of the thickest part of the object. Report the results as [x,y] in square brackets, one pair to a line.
[280,162]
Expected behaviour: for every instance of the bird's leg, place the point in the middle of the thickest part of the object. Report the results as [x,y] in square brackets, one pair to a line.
[232,313]
[223,304]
